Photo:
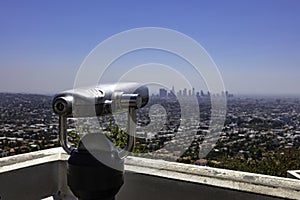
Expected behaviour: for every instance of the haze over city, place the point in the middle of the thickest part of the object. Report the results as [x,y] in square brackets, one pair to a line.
[255,44]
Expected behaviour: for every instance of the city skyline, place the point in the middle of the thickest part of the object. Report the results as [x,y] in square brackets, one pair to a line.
[162,92]
[255,44]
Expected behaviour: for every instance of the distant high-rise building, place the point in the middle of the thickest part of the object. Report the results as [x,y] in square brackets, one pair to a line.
[173,90]
[163,92]
[179,93]
[202,93]
[184,93]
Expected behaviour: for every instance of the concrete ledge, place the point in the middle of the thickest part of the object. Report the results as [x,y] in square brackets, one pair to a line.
[233,180]
[42,174]
[34,175]
[30,159]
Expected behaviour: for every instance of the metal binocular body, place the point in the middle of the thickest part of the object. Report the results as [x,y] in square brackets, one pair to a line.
[100,100]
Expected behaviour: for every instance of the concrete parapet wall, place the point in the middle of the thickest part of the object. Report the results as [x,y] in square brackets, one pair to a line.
[41,174]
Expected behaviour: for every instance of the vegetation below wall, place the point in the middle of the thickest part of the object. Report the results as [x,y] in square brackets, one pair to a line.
[275,164]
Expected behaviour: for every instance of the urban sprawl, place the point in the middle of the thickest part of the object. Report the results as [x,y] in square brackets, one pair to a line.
[257,131]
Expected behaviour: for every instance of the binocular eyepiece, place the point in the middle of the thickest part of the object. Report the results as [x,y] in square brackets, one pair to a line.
[100,100]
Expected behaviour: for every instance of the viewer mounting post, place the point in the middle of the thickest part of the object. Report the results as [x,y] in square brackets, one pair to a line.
[95,168]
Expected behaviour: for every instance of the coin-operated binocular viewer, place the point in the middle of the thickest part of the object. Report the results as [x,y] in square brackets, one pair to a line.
[88,176]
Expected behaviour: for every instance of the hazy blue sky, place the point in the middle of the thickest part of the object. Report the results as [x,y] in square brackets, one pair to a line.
[255,44]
